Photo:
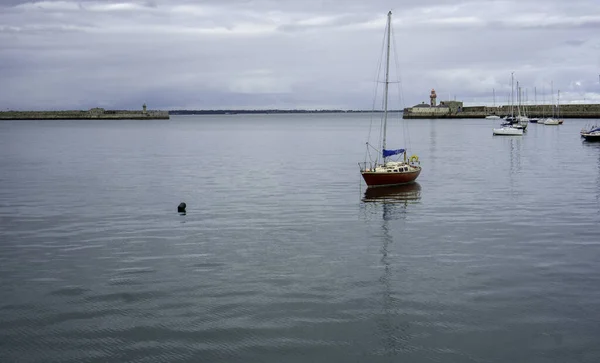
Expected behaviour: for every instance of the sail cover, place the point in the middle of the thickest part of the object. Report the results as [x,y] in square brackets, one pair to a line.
[387,153]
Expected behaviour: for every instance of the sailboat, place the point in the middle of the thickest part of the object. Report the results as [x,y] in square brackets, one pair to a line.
[560,120]
[522,119]
[535,119]
[493,116]
[552,120]
[593,134]
[509,128]
[383,172]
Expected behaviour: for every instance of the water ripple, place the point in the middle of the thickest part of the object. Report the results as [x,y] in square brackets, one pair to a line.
[279,258]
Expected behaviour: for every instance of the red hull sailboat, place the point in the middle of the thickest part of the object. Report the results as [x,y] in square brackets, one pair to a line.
[386,173]
[392,173]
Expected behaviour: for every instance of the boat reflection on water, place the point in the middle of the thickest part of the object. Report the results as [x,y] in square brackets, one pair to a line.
[594,148]
[387,206]
[394,200]
[393,194]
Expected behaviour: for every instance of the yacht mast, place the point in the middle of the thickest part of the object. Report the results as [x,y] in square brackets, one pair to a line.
[387,74]
[512,113]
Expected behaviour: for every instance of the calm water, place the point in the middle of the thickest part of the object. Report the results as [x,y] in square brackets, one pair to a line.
[493,257]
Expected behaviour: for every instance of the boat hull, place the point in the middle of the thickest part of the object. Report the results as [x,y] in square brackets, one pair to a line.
[383,179]
[594,136]
[551,121]
[508,131]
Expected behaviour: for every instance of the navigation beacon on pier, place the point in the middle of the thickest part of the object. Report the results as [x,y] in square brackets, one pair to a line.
[433,110]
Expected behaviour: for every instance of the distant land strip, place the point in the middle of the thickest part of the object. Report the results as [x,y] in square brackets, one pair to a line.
[94,113]
[276,111]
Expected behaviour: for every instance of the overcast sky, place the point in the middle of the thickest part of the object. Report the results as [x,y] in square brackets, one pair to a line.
[227,54]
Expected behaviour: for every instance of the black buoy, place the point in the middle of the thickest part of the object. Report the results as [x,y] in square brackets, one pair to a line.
[181,207]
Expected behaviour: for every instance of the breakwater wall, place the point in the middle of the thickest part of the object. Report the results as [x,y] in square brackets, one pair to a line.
[95,113]
[564,111]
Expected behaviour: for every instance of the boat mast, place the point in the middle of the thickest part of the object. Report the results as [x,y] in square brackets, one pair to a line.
[387,74]
[519,96]
[558,105]
[543,101]
[518,90]
[552,94]
[512,113]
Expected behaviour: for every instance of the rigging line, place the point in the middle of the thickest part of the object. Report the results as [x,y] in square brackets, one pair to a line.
[376,88]
[369,151]
[372,147]
[405,132]
[382,116]
[383,99]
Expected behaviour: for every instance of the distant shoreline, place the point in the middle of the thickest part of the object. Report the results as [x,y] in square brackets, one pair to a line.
[274,111]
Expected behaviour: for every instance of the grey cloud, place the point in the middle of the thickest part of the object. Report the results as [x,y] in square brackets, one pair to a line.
[575,42]
[288,54]
[10,3]
[322,23]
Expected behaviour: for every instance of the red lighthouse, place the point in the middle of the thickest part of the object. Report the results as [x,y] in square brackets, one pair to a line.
[432,98]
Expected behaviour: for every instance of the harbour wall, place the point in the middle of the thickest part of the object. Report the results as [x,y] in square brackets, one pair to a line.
[566,111]
[95,113]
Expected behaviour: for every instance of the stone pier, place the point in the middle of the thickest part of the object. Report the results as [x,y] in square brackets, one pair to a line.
[94,113]
[562,111]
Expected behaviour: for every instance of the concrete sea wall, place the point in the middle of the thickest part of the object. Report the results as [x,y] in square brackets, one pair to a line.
[84,115]
[566,111]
